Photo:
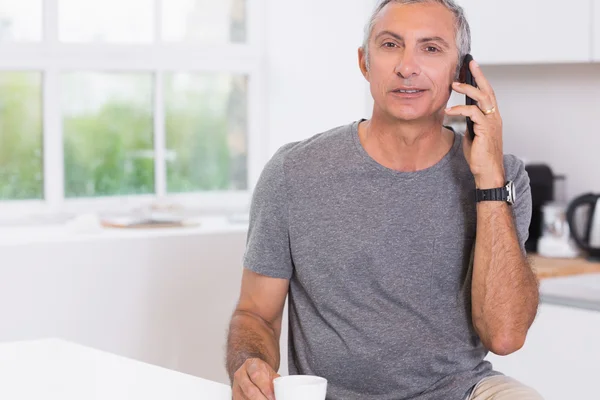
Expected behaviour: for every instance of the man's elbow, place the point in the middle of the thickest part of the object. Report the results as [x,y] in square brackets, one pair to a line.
[506,344]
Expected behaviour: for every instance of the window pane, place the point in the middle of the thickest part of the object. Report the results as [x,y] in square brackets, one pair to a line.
[120,21]
[20,20]
[210,21]
[206,131]
[21,162]
[108,134]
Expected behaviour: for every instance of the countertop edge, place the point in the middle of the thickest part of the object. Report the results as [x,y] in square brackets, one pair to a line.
[570,302]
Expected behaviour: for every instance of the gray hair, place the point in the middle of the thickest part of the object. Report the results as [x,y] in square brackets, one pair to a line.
[463,31]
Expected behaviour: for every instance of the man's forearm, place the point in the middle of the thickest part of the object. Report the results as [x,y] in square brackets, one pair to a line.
[250,337]
[505,289]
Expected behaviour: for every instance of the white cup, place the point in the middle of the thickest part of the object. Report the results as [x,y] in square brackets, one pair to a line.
[300,387]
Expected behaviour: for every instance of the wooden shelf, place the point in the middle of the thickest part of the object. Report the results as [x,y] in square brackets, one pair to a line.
[556,267]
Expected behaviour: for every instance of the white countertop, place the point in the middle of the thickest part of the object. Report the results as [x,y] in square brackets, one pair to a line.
[57,370]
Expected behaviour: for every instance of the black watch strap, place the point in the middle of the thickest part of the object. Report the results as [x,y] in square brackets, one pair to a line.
[498,194]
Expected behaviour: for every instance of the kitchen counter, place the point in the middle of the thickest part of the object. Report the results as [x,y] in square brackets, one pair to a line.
[145,294]
[53,369]
[561,267]
[578,291]
[568,282]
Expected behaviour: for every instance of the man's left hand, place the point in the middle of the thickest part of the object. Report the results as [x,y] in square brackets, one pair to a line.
[484,154]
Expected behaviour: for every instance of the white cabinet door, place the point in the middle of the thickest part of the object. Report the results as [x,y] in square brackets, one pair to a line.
[561,357]
[596,30]
[529,31]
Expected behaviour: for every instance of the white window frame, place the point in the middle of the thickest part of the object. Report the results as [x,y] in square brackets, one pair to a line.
[52,57]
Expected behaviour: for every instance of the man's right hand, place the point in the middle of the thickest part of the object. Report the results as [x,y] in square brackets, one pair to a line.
[254,381]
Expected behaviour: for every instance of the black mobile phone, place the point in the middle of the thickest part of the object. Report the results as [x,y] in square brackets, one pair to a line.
[467,77]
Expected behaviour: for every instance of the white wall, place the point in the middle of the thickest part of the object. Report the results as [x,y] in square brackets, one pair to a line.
[165,300]
[314,82]
[551,114]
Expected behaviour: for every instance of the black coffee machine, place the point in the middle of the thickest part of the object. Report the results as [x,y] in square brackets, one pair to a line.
[542,181]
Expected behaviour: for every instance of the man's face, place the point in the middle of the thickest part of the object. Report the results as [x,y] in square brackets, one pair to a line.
[412,48]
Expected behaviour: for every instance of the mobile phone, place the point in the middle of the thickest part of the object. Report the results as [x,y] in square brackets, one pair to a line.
[467,77]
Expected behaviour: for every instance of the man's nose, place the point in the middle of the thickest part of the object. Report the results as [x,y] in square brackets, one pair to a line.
[408,66]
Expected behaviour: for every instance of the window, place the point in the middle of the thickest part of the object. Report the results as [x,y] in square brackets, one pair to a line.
[107,133]
[106,21]
[211,21]
[20,20]
[206,131]
[106,99]
[20,135]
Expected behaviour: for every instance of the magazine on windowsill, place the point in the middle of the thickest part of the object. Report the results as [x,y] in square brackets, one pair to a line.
[149,222]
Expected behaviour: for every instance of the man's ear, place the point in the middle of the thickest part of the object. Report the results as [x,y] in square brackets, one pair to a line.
[362,63]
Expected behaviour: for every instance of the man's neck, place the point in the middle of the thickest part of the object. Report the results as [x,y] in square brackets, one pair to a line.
[405,146]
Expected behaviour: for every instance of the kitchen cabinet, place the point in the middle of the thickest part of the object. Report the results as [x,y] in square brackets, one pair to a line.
[561,356]
[530,31]
[160,296]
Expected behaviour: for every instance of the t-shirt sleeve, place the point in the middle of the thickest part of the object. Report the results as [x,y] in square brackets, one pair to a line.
[523,205]
[268,242]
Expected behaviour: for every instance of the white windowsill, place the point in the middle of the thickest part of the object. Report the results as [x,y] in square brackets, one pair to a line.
[34,234]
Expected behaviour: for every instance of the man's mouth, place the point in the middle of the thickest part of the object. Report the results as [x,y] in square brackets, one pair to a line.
[408,91]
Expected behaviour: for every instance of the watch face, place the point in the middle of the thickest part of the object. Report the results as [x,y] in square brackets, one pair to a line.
[510,187]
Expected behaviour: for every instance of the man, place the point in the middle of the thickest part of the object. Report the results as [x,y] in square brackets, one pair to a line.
[399,281]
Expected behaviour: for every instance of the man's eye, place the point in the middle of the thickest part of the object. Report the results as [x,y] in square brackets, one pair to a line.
[431,49]
[389,44]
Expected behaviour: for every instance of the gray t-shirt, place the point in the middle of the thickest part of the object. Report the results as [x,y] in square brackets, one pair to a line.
[379,266]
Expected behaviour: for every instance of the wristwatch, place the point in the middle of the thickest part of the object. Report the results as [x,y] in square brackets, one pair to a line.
[506,193]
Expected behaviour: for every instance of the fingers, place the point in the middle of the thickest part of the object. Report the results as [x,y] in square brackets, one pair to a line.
[260,374]
[484,101]
[238,393]
[481,80]
[484,94]
[250,391]
[472,112]
[253,381]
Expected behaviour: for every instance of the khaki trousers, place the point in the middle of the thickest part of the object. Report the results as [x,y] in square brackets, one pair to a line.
[502,388]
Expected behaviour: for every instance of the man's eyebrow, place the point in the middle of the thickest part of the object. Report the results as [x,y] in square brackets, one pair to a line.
[422,40]
[435,39]
[390,33]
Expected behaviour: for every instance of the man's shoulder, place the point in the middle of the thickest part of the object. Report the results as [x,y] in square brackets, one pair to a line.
[317,148]
[309,157]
